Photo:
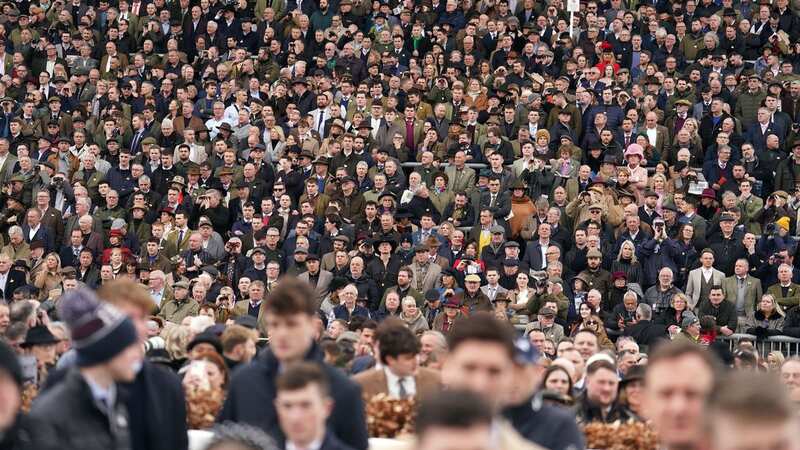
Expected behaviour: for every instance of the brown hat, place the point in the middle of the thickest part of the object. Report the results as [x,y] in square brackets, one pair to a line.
[594,253]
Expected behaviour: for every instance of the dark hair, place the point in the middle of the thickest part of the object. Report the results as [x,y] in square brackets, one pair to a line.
[395,339]
[453,409]
[600,364]
[555,368]
[298,376]
[483,327]
[680,349]
[291,296]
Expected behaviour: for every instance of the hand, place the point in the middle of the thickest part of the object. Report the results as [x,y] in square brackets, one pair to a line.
[726,331]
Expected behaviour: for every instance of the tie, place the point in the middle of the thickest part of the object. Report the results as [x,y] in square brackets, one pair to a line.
[136,138]
[180,238]
[319,123]
[401,388]
[491,202]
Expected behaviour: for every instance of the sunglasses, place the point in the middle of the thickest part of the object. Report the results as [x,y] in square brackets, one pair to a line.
[591,322]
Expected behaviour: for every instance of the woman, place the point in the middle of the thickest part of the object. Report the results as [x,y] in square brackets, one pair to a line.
[275,144]
[595,324]
[541,145]
[673,316]
[440,195]
[658,183]
[708,204]
[49,276]
[449,284]
[452,315]
[557,379]
[634,155]
[176,339]
[390,307]
[684,253]
[775,360]
[204,384]
[521,294]
[627,262]
[474,95]
[413,317]
[767,320]
[522,208]
[631,390]
[470,259]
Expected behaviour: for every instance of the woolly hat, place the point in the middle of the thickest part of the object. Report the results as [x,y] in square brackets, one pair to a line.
[99,330]
[783,222]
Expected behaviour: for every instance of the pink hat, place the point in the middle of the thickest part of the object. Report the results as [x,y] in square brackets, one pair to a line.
[634,149]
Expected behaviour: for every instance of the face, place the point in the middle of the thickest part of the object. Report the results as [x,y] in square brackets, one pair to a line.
[289,335]
[601,387]
[675,392]
[558,381]
[302,413]
[481,367]
[790,375]
[124,366]
[586,344]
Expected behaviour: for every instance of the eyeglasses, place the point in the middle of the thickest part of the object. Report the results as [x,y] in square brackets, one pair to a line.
[591,322]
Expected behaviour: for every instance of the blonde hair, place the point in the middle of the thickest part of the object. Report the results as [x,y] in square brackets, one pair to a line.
[176,339]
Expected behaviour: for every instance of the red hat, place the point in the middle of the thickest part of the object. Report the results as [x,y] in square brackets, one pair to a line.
[606,46]
[116,233]
[452,302]
[619,275]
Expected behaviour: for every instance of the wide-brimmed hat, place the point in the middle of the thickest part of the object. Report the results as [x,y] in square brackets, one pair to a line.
[39,335]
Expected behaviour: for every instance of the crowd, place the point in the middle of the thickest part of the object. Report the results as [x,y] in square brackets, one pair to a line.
[198,195]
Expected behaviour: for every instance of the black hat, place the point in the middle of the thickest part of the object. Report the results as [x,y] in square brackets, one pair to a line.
[39,335]
[312,257]
[387,240]
[206,338]
[338,283]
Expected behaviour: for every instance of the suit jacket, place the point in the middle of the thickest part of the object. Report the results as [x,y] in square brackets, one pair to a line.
[374,382]
[242,307]
[173,247]
[791,299]
[381,137]
[465,183]
[752,294]
[432,278]
[14,280]
[759,139]
[42,234]
[499,291]
[533,254]
[7,168]
[693,285]
[501,207]
[123,62]
[323,283]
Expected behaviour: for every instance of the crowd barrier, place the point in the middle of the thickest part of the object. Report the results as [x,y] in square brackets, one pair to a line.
[789,346]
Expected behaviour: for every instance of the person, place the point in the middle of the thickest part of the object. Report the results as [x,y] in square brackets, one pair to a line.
[680,377]
[85,411]
[481,361]
[455,420]
[289,312]
[749,410]
[547,425]
[790,375]
[767,320]
[399,376]
[17,431]
[303,403]
[630,390]
[598,403]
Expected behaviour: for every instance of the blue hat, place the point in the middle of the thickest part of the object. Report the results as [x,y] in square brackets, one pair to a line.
[524,353]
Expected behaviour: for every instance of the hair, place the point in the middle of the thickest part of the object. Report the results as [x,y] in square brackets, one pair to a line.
[453,409]
[483,327]
[750,397]
[122,291]
[240,437]
[556,368]
[680,349]
[176,339]
[291,296]
[235,335]
[601,363]
[395,339]
[213,357]
[298,376]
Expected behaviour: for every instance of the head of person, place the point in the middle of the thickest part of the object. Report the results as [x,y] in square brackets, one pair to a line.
[398,347]
[481,358]
[750,410]
[289,313]
[602,382]
[454,420]
[679,378]
[303,403]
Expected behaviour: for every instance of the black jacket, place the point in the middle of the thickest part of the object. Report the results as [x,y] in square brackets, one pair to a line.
[252,393]
[550,426]
[645,332]
[157,410]
[24,435]
[586,412]
[71,420]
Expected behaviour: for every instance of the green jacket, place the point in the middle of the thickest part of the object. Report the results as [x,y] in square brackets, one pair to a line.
[747,105]
[175,311]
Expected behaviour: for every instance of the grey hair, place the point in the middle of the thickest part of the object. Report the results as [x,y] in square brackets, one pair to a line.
[241,436]
[644,311]
[16,229]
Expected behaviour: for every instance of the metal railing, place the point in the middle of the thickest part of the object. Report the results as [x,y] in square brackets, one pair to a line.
[789,346]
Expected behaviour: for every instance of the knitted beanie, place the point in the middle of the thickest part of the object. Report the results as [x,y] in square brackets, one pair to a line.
[99,330]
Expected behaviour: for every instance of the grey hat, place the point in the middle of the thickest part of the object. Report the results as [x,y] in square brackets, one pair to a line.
[497,229]
[118,224]
[689,319]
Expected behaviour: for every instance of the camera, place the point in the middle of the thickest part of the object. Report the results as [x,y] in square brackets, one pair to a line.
[770,229]
[777,258]
[57,182]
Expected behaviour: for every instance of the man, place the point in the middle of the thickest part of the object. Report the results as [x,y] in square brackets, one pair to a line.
[790,375]
[399,376]
[481,360]
[238,345]
[86,403]
[680,376]
[723,312]
[750,411]
[318,279]
[180,306]
[9,279]
[742,289]
[598,403]
[426,275]
[703,278]
[303,403]
[289,315]
[644,331]
[455,420]
[786,293]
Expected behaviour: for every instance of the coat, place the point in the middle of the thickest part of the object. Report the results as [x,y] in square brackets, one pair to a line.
[694,282]
[252,394]
[547,425]
[174,311]
[71,420]
[374,382]
[791,299]
[752,293]
[323,282]
[760,325]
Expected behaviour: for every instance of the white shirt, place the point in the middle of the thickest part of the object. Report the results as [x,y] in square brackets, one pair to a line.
[707,273]
[652,134]
[33,231]
[316,445]
[3,281]
[409,383]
